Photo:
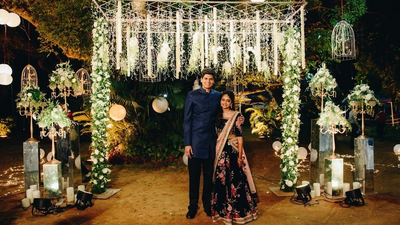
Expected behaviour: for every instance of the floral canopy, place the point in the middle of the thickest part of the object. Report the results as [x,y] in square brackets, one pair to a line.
[158,40]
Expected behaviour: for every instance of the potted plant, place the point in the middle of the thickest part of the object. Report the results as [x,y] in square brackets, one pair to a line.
[264,121]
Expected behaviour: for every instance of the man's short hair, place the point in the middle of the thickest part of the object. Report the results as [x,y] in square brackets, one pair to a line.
[208,71]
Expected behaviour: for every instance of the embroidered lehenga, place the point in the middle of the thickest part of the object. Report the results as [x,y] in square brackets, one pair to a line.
[231,198]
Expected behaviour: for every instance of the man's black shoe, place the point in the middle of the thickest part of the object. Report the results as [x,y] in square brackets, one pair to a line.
[191,213]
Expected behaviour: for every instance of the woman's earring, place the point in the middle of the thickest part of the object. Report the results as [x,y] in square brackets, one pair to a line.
[230,107]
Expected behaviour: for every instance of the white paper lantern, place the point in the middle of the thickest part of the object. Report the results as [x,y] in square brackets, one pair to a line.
[5,69]
[185,159]
[5,79]
[160,105]
[396,149]
[302,153]
[277,145]
[78,162]
[4,16]
[49,156]
[117,112]
[309,146]
[14,20]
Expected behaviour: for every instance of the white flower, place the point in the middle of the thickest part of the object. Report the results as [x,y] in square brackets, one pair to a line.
[288,183]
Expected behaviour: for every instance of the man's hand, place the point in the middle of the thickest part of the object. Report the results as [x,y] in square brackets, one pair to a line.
[189,151]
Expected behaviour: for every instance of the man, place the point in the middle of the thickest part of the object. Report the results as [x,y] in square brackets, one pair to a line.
[200,139]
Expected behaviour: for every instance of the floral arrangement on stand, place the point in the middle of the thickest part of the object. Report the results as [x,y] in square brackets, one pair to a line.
[53,115]
[30,97]
[362,100]
[333,121]
[323,84]
[64,78]
[290,109]
[100,100]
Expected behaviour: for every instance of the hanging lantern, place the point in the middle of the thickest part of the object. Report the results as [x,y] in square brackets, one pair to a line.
[343,42]
[4,16]
[5,69]
[85,82]
[160,105]
[29,76]
[117,112]
[5,79]
[14,20]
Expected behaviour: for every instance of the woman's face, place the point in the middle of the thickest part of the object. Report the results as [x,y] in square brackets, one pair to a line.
[226,102]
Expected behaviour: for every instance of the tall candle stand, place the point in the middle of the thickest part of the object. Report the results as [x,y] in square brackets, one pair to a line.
[52,172]
[333,166]
[322,141]
[31,153]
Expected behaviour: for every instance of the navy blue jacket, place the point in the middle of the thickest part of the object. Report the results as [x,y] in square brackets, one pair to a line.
[199,122]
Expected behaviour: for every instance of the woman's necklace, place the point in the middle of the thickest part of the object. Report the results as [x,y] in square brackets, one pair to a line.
[227,114]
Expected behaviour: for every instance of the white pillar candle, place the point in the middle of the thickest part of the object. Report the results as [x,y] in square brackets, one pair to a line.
[81,188]
[36,194]
[346,187]
[29,194]
[312,193]
[317,189]
[33,187]
[322,179]
[70,194]
[329,188]
[356,185]
[305,182]
[26,202]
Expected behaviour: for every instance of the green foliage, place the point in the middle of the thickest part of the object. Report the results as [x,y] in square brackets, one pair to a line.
[64,24]
[265,121]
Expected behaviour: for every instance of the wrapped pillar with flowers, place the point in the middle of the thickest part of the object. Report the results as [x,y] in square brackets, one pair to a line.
[332,121]
[322,86]
[362,101]
[290,109]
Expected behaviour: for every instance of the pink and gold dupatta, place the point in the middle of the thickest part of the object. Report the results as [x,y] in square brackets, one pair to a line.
[221,141]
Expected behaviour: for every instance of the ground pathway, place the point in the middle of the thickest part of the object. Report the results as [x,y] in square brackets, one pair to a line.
[160,195]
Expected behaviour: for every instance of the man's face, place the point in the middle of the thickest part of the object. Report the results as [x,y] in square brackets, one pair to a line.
[207,81]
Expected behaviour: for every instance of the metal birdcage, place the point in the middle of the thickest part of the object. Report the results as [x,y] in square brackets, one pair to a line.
[343,42]
[29,76]
[85,82]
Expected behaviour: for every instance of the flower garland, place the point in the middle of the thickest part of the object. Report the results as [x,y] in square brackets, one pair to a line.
[362,96]
[53,115]
[162,57]
[64,77]
[195,55]
[332,116]
[100,100]
[322,81]
[290,109]
[31,96]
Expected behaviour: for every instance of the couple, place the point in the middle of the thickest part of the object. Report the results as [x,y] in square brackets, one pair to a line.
[226,188]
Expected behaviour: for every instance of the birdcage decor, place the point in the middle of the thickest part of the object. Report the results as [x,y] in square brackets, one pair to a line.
[29,76]
[343,42]
[85,82]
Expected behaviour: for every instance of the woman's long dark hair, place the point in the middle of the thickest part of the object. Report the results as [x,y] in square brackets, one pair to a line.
[231,95]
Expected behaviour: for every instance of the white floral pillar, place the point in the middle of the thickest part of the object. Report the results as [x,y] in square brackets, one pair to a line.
[290,109]
[100,100]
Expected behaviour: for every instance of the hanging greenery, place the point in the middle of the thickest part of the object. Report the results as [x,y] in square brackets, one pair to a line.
[100,100]
[290,109]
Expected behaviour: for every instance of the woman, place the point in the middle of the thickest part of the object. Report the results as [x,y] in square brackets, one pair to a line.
[231,199]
